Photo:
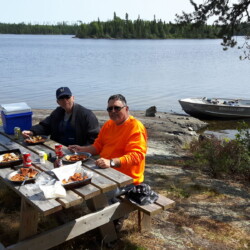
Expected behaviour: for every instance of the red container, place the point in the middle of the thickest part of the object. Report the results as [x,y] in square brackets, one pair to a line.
[27,160]
[58,150]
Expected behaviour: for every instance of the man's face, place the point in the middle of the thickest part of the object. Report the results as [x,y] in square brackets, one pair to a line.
[118,112]
[66,102]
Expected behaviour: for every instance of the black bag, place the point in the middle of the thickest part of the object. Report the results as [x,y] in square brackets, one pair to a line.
[142,194]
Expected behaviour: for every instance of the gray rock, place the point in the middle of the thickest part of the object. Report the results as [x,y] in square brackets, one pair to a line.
[150,112]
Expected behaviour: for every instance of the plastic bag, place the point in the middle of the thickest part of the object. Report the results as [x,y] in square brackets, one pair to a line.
[53,191]
[142,194]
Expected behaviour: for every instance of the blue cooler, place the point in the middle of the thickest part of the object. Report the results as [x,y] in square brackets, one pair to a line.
[16,115]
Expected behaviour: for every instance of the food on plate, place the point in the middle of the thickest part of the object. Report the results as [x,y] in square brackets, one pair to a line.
[9,157]
[75,177]
[35,139]
[75,157]
[24,172]
[17,177]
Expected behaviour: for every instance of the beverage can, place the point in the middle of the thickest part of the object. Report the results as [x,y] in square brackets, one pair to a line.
[17,133]
[58,150]
[27,159]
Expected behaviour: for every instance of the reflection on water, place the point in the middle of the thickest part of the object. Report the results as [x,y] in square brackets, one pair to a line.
[223,129]
[222,133]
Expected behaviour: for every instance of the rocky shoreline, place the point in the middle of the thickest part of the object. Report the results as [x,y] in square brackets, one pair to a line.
[167,132]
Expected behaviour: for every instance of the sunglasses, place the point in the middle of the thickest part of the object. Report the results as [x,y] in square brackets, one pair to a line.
[115,108]
[64,97]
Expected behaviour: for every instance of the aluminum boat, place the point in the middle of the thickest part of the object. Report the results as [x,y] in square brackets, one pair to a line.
[216,108]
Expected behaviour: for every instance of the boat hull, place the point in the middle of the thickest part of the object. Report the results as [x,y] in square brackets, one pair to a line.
[200,108]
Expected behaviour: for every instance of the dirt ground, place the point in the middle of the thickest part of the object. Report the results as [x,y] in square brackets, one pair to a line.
[208,214]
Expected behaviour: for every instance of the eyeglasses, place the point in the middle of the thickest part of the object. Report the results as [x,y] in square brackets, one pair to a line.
[115,108]
[64,97]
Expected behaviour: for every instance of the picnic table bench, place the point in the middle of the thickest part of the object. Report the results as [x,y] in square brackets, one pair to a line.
[102,213]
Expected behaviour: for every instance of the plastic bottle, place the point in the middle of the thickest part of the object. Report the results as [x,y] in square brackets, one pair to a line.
[42,156]
[58,162]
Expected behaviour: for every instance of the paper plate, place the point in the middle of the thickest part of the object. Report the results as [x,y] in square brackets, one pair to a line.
[28,180]
[72,158]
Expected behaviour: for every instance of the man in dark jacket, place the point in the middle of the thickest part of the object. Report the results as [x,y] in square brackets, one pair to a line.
[68,124]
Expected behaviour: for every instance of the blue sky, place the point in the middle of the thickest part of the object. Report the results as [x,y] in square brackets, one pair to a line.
[53,11]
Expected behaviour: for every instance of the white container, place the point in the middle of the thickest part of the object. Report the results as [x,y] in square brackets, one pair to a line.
[42,156]
[15,108]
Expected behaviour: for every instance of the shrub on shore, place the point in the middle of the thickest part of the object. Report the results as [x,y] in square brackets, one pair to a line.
[222,157]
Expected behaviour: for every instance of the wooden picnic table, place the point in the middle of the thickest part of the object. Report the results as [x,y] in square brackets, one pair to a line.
[34,203]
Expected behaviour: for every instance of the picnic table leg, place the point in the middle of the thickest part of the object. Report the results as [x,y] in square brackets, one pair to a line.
[28,220]
[144,221]
[107,231]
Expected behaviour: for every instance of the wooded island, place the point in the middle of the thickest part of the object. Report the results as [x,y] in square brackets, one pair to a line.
[118,28]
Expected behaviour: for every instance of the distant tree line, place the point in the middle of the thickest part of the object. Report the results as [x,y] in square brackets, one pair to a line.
[121,29]
[22,28]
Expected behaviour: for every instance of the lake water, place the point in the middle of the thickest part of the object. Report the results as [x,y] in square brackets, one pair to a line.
[148,72]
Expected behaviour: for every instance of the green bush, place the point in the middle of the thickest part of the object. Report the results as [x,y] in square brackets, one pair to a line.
[220,157]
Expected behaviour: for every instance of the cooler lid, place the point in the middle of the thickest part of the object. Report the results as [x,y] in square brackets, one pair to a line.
[14,108]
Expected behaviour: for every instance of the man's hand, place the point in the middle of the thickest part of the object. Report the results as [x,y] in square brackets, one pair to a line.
[27,133]
[103,163]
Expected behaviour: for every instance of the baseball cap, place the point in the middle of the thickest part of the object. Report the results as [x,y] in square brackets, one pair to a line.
[62,91]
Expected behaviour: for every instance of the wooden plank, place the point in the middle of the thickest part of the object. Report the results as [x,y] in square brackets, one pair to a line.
[110,173]
[116,176]
[98,202]
[73,229]
[107,231]
[28,220]
[72,199]
[103,183]
[150,209]
[50,144]
[2,148]
[87,192]
[164,202]
[40,147]
[144,221]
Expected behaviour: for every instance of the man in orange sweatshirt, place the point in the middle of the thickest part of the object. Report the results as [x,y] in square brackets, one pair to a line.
[121,143]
